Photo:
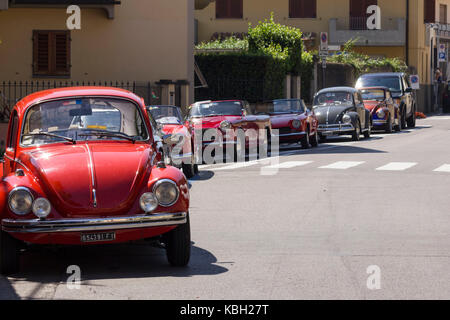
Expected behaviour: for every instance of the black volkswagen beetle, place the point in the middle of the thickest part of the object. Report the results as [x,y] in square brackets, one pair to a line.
[341,111]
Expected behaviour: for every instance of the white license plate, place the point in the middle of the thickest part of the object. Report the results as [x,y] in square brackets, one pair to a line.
[98,237]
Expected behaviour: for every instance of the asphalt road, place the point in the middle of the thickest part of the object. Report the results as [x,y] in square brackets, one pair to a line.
[306,228]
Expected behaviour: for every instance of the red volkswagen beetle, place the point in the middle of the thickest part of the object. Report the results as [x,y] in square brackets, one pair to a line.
[82,167]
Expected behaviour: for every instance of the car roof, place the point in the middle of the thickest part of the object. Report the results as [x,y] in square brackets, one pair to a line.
[376,87]
[60,93]
[338,89]
[383,74]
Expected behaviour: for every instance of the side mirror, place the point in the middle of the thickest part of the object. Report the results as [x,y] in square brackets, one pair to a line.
[170,139]
[409,90]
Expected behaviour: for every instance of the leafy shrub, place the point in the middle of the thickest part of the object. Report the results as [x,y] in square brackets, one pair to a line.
[231,43]
[278,40]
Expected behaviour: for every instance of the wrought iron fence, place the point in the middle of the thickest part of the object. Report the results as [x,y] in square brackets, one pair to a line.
[12,91]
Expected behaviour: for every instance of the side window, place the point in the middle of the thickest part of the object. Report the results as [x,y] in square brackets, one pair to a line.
[12,139]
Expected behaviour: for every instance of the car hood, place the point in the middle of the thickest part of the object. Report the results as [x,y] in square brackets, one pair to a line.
[213,122]
[331,113]
[68,174]
[283,120]
[371,104]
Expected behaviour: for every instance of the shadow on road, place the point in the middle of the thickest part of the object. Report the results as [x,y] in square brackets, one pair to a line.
[143,259]
[203,175]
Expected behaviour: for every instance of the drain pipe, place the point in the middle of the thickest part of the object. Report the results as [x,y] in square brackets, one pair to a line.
[407,33]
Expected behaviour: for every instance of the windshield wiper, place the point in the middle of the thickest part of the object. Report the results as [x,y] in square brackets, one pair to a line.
[50,135]
[100,133]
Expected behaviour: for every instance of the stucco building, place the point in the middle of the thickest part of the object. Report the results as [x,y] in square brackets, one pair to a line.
[406,27]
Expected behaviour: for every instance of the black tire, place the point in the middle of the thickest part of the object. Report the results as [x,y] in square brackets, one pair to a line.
[389,126]
[188,170]
[315,140]
[178,245]
[398,127]
[265,147]
[369,131]
[403,119]
[9,254]
[412,120]
[305,140]
[357,133]
[196,171]
[322,139]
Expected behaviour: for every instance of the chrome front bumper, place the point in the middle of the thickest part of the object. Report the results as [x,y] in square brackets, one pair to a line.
[379,122]
[335,128]
[287,135]
[86,225]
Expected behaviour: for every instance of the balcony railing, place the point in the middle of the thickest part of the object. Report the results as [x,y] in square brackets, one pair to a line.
[392,32]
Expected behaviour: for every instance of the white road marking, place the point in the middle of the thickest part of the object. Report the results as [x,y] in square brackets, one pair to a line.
[236,166]
[397,166]
[289,165]
[343,165]
[443,168]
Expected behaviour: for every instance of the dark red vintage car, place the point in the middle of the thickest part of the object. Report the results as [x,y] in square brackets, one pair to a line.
[218,124]
[169,120]
[294,121]
[82,167]
[385,113]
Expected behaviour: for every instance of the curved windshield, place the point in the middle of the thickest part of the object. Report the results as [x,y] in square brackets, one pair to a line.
[287,106]
[166,114]
[373,94]
[333,98]
[209,109]
[83,119]
[393,83]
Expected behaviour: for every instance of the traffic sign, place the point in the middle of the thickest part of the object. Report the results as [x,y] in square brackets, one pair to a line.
[415,82]
[324,41]
[442,53]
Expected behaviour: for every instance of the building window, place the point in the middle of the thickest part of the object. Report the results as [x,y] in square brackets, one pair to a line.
[302,8]
[430,11]
[358,13]
[51,53]
[443,14]
[229,9]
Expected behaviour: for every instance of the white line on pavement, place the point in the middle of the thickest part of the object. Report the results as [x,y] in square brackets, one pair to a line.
[237,165]
[289,165]
[443,168]
[343,165]
[397,166]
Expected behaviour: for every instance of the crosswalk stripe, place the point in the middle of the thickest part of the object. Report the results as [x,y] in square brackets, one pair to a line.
[397,166]
[289,165]
[237,166]
[443,168]
[343,165]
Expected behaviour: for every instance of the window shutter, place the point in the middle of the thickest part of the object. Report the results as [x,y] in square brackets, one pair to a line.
[302,8]
[51,53]
[430,11]
[294,8]
[236,9]
[221,8]
[41,52]
[61,54]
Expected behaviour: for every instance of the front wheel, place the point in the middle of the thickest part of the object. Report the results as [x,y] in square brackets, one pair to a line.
[178,245]
[368,132]
[315,140]
[305,141]
[357,133]
[412,120]
[9,254]
[389,125]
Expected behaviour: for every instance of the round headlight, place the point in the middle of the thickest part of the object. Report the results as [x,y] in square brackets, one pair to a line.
[225,125]
[20,201]
[381,114]
[166,191]
[346,118]
[41,208]
[296,124]
[148,202]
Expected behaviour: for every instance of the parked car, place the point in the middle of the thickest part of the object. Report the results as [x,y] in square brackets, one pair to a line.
[446,98]
[402,93]
[341,111]
[170,122]
[230,119]
[78,184]
[294,122]
[384,111]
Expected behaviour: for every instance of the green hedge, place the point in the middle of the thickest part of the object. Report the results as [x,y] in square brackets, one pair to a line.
[241,75]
